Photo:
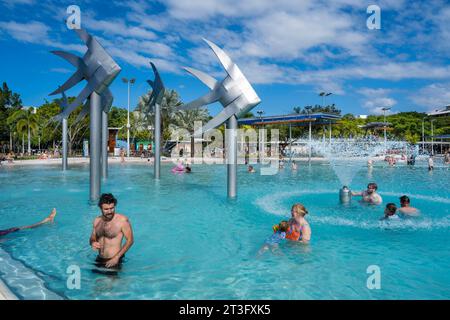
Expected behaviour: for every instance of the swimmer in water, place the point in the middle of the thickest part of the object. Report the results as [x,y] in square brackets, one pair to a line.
[109,230]
[294,166]
[299,229]
[279,234]
[406,209]
[390,212]
[370,195]
[251,169]
[430,163]
[49,219]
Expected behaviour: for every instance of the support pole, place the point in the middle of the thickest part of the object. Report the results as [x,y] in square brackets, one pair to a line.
[64,144]
[231,147]
[330,132]
[104,145]
[423,136]
[310,142]
[432,138]
[290,140]
[95,146]
[157,141]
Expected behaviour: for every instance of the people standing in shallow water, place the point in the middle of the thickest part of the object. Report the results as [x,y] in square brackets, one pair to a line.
[406,209]
[108,231]
[293,165]
[370,195]
[447,157]
[299,229]
[390,212]
[122,155]
[430,163]
[49,219]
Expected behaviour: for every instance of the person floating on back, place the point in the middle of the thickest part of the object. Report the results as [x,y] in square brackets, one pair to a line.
[49,219]
[279,234]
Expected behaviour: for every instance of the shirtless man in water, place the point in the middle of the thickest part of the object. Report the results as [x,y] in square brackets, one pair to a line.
[370,195]
[108,232]
[406,208]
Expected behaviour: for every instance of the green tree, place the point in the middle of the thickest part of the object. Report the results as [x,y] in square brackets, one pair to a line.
[186,118]
[9,103]
[26,121]
[169,106]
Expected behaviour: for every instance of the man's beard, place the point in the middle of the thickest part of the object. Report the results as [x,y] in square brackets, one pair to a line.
[108,216]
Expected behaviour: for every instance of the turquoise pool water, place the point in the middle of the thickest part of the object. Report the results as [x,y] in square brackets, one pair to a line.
[192,243]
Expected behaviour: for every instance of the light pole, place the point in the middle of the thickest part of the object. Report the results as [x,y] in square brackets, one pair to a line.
[260,113]
[262,145]
[129,82]
[423,135]
[432,137]
[385,138]
[323,95]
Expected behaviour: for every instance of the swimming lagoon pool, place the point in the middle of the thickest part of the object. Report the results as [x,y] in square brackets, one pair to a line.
[193,243]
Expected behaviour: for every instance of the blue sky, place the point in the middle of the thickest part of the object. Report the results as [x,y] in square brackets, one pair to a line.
[289,50]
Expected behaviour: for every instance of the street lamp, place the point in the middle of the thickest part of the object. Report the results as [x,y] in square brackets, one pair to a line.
[323,95]
[260,113]
[261,142]
[385,139]
[423,134]
[129,82]
[432,137]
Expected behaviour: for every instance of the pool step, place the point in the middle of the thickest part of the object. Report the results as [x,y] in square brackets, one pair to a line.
[23,281]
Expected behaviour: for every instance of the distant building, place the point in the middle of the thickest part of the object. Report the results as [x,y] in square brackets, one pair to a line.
[362,116]
[440,113]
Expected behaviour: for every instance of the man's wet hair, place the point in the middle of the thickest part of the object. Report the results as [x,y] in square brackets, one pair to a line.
[106,198]
[372,184]
[404,199]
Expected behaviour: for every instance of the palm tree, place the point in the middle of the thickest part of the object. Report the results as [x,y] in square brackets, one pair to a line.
[169,105]
[26,121]
[186,118]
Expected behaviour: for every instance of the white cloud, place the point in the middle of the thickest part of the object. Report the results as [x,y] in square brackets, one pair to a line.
[284,35]
[376,99]
[432,97]
[118,27]
[31,32]
[61,70]
[12,3]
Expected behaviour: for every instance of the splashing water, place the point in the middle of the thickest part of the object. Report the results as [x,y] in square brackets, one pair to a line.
[348,156]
